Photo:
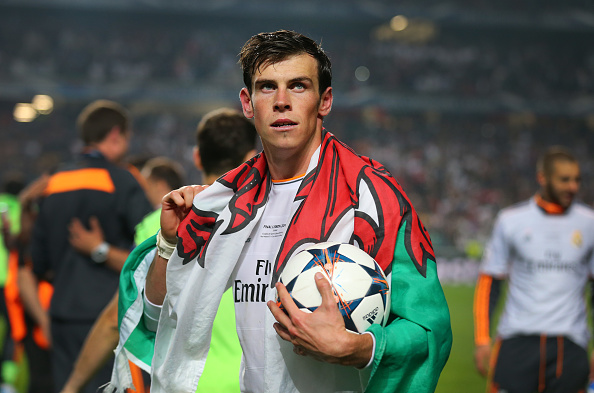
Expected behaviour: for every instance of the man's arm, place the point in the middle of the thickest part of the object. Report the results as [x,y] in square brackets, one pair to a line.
[97,349]
[487,293]
[486,297]
[28,284]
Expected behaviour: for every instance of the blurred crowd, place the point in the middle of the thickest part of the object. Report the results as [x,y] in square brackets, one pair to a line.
[458,170]
[180,52]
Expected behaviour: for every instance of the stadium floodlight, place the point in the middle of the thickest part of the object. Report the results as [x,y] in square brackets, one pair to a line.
[43,104]
[399,23]
[24,112]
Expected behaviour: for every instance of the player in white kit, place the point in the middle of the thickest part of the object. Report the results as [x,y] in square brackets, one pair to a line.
[544,248]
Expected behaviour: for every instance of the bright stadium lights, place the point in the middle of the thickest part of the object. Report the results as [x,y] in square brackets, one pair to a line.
[362,73]
[43,104]
[24,113]
[399,23]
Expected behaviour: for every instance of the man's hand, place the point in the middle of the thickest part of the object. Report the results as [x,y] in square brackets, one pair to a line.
[33,190]
[175,206]
[83,240]
[482,357]
[321,334]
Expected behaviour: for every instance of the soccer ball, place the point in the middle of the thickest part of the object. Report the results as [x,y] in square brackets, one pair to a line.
[360,286]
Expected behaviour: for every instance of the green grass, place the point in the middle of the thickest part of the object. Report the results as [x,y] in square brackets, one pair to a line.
[459,374]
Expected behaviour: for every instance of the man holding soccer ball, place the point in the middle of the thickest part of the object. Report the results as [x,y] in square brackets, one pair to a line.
[306,187]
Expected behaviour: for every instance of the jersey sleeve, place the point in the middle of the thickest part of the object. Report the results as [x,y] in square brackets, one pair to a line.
[496,257]
[486,297]
[413,348]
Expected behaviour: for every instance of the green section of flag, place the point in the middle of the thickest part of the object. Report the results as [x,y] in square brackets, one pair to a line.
[412,350]
[141,341]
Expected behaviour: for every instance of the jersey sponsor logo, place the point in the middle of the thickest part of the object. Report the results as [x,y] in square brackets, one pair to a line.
[254,292]
[552,261]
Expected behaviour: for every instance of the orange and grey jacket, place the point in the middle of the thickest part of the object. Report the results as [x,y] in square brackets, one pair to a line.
[92,186]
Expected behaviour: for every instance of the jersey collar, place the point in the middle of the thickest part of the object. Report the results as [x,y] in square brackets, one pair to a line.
[548,207]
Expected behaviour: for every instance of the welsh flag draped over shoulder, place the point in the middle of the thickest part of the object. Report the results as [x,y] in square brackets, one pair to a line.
[343,197]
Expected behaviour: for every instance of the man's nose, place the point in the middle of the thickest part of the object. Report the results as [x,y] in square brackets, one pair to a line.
[283,101]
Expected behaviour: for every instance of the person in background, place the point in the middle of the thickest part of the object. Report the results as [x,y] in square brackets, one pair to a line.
[544,248]
[224,140]
[98,191]
[10,211]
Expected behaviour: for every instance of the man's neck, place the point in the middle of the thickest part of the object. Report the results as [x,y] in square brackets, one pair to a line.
[287,166]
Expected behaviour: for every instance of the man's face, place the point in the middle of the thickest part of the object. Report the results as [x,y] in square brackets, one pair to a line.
[562,184]
[287,107]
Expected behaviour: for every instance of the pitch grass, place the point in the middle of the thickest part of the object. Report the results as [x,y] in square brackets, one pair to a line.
[459,374]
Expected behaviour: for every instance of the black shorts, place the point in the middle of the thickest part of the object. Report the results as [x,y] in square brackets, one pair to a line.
[543,364]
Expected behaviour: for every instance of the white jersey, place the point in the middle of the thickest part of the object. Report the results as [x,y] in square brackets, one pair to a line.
[548,260]
[250,282]
[264,352]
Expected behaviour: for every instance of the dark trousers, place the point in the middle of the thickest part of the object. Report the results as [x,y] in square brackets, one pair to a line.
[67,341]
[543,364]
[38,359]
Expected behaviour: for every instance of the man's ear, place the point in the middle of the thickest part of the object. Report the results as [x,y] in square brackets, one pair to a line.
[325,102]
[197,158]
[246,103]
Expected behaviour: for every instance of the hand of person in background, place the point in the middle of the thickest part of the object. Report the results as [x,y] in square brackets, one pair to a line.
[33,190]
[482,356]
[85,240]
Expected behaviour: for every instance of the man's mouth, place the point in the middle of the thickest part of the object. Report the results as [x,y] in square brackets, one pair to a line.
[283,123]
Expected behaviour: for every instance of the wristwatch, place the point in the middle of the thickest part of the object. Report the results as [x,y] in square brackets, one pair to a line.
[99,253]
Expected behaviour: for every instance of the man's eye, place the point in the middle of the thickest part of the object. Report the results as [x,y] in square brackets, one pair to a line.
[267,86]
[299,86]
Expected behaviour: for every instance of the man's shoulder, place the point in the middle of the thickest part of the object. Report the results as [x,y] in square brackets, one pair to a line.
[583,210]
[516,211]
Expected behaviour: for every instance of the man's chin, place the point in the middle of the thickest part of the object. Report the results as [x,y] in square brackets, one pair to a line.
[566,202]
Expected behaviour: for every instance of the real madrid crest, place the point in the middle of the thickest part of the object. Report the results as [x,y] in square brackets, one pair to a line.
[576,238]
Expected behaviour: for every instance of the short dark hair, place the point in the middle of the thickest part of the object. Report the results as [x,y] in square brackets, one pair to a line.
[163,168]
[224,137]
[269,48]
[98,118]
[13,182]
[550,156]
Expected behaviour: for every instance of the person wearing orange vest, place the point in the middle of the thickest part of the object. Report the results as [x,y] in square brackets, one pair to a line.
[93,185]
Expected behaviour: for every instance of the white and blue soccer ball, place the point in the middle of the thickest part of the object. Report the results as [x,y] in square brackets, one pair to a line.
[360,287]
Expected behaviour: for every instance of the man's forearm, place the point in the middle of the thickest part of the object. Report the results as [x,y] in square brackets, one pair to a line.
[155,287]
[27,283]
